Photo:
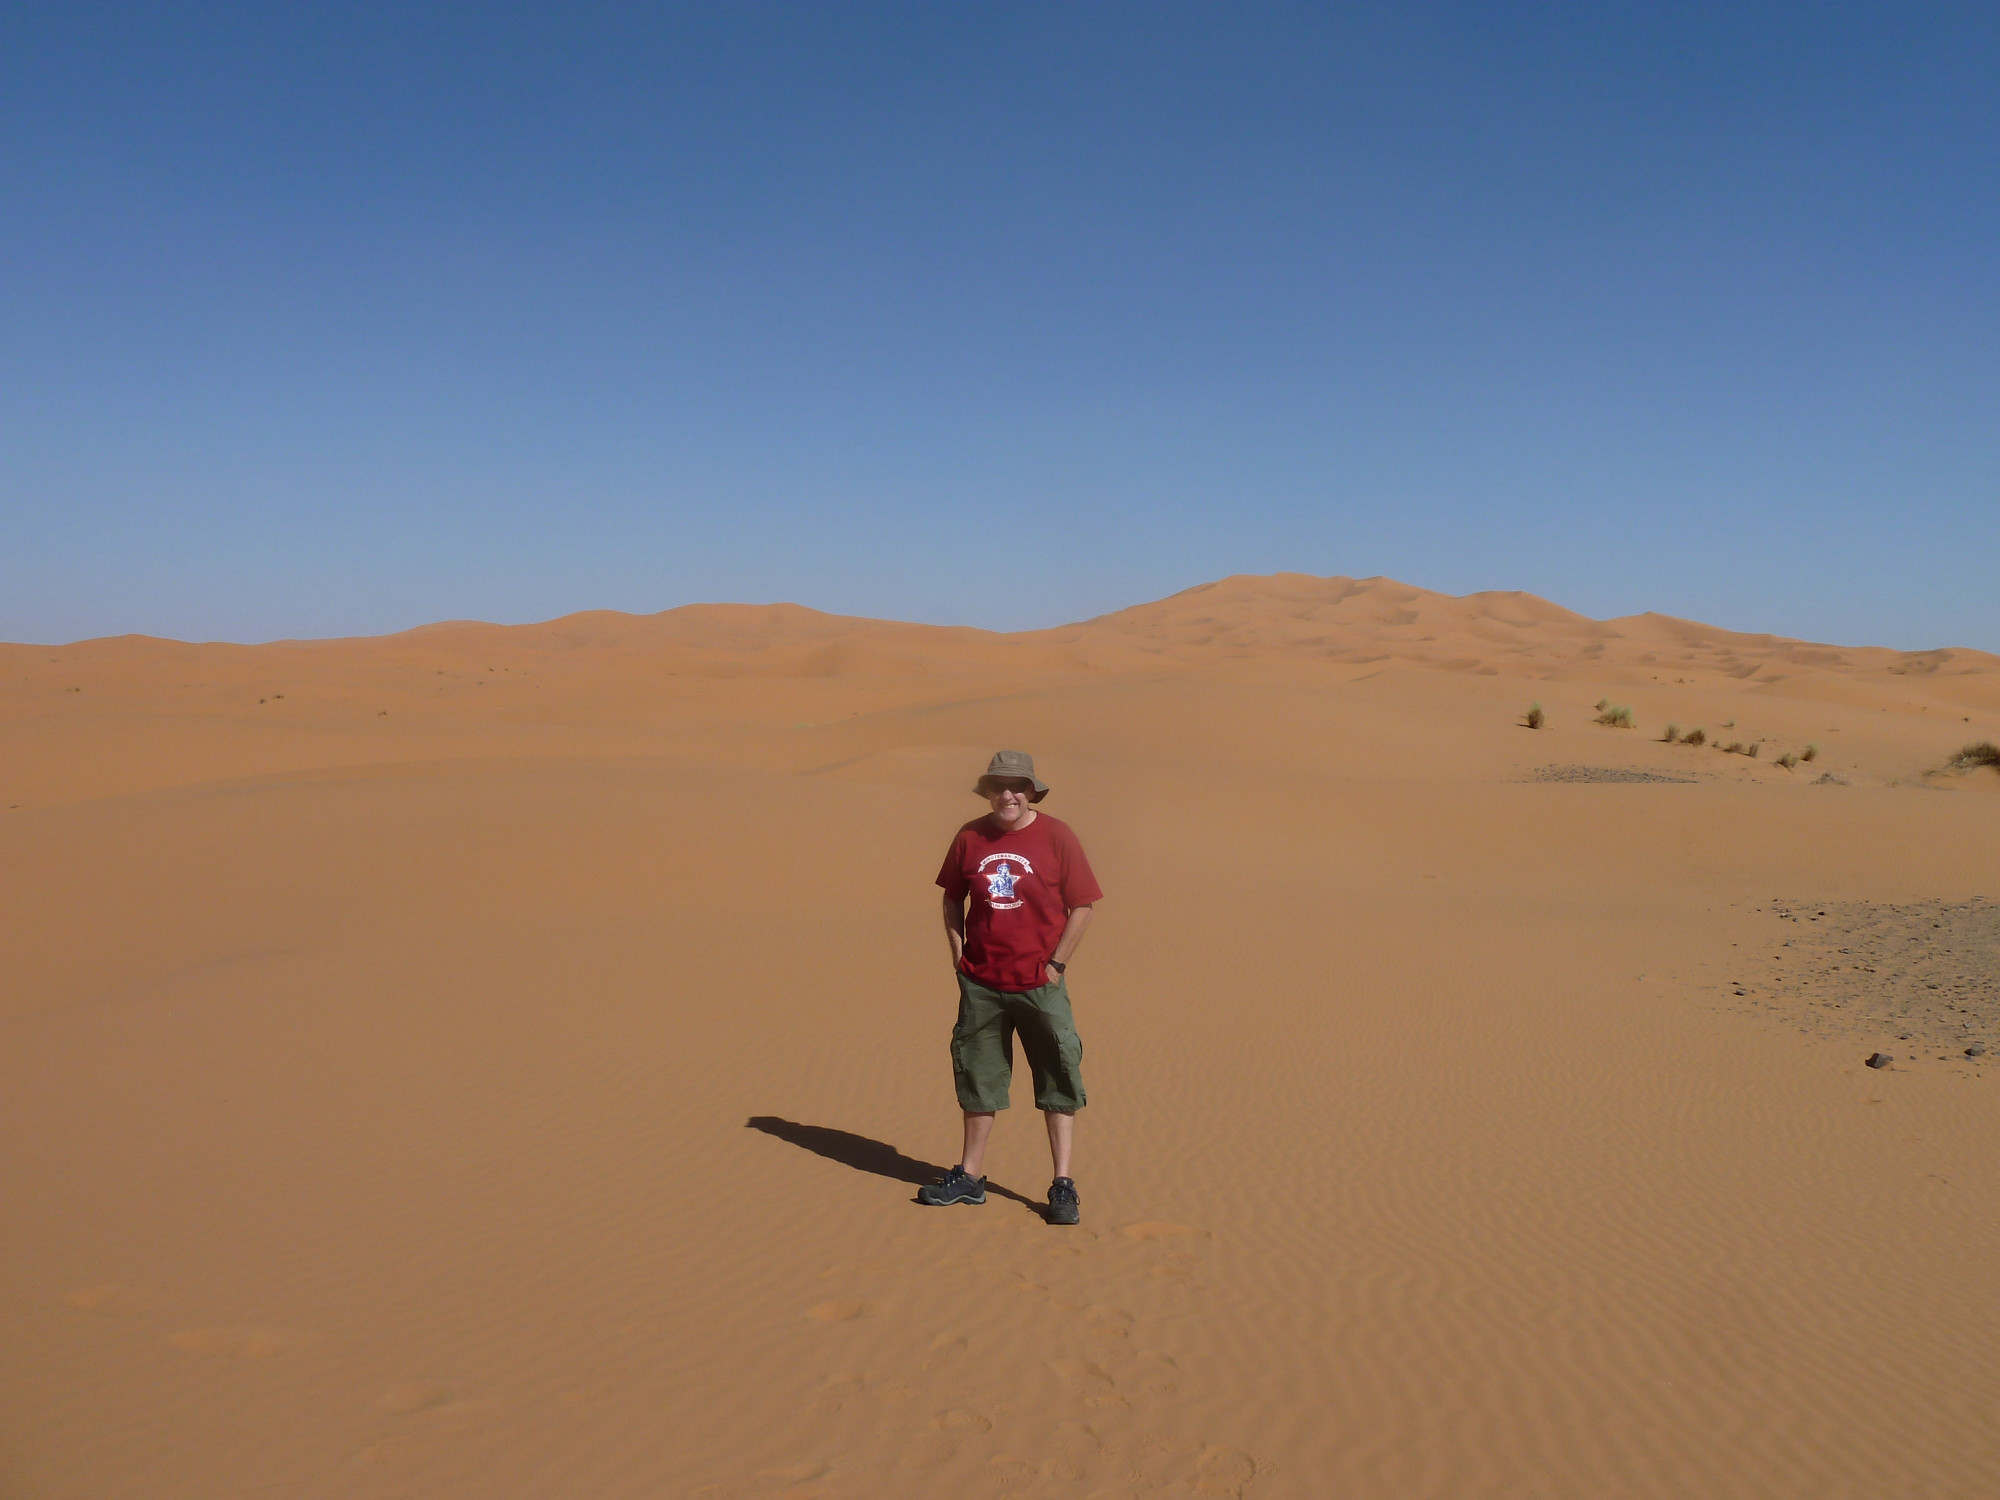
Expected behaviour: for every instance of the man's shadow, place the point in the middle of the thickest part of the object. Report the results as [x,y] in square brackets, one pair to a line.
[863,1154]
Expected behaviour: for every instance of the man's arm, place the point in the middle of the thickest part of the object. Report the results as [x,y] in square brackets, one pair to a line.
[954,926]
[1073,930]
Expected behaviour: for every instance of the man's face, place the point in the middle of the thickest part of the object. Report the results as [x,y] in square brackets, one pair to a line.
[1009,796]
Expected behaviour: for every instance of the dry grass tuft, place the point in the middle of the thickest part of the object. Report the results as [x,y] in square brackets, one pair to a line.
[1985,753]
[1811,752]
[1673,733]
[1614,715]
[1533,718]
[1787,760]
[1752,751]
[1695,737]
[1734,747]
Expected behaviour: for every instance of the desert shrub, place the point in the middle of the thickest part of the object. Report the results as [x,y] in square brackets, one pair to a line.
[1734,747]
[1601,704]
[1752,751]
[1615,716]
[1533,717]
[1985,753]
[1695,737]
[1673,733]
[1787,760]
[1811,752]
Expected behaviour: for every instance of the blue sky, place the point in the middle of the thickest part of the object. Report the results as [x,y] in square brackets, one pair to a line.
[335,319]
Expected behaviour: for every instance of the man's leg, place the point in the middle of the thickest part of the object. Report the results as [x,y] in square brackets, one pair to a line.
[982,1062]
[1055,1054]
[1062,1131]
[978,1130]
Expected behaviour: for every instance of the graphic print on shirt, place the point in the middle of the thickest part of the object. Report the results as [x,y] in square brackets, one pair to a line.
[1000,883]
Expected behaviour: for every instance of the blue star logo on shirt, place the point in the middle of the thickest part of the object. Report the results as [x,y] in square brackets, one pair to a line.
[1003,871]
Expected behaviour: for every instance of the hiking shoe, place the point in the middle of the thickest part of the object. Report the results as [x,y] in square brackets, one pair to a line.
[1063,1207]
[954,1187]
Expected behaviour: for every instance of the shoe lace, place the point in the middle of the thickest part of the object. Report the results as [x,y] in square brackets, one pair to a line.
[1062,1192]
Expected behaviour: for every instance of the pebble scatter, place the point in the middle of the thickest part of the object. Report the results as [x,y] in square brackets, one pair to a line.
[1603,773]
[1925,972]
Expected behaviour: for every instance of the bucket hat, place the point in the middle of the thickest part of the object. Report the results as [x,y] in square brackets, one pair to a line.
[1016,765]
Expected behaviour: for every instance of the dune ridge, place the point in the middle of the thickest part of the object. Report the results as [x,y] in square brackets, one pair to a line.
[615,683]
[1291,614]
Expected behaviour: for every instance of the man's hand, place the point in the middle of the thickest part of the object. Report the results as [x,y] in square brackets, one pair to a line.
[954,930]
[1049,972]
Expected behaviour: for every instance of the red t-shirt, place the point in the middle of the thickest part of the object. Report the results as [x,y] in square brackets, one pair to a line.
[1023,888]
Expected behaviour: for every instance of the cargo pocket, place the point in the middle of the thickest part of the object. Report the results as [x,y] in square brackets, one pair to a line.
[1069,1047]
[959,1034]
[960,1025]
[964,1053]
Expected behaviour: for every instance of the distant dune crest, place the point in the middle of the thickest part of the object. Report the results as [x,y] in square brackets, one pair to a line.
[1345,621]
[1497,632]
[1354,621]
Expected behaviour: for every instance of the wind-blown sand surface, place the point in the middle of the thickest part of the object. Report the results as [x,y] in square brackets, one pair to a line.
[497,1062]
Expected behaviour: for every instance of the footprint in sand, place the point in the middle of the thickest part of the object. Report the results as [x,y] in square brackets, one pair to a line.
[786,1475]
[1072,1244]
[1176,1264]
[412,1450]
[856,1268]
[1003,1470]
[440,1425]
[1081,1374]
[958,1419]
[413,1396]
[1159,1229]
[834,1393]
[236,1343]
[108,1300]
[931,1451]
[840,1310]
[403,1449]
[1224,1471]
[1070,1467]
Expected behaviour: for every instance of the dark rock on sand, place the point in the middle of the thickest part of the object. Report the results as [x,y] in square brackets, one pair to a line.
[1606,773]
[1879,1059]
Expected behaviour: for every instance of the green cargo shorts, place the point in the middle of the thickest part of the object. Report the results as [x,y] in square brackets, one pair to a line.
[982,1046]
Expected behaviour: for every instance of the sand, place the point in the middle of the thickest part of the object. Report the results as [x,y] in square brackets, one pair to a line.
[497,1062]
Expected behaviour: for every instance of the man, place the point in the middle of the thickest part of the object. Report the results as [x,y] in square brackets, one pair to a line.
[1030,892]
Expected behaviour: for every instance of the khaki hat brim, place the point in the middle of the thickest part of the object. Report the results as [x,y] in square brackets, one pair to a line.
[1041,789]
[1015,765]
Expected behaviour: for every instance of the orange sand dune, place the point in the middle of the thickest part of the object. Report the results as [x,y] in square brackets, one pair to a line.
[498,1061]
